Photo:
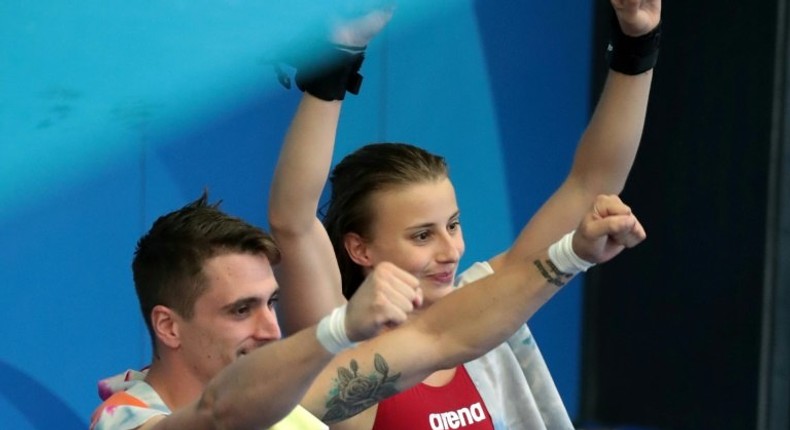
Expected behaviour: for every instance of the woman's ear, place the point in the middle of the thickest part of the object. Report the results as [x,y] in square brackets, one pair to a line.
[164,322]
[357,249]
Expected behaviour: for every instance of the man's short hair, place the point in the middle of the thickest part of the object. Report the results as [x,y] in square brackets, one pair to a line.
[168,261]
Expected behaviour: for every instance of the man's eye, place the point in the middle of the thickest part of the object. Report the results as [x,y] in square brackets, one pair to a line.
[273,302]
[242,310]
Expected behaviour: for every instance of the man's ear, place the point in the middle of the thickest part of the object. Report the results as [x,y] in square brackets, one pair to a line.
[165,323]
[357,249]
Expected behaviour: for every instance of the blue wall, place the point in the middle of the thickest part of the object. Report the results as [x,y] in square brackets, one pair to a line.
[120,115]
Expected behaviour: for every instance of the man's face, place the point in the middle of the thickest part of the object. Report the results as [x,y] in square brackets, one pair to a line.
[235,314]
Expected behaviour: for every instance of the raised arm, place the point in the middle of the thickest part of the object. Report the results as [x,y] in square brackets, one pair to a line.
[608,146]
[308,273]
[466,323]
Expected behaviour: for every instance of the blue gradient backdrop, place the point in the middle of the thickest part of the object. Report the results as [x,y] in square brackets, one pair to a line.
[112,114]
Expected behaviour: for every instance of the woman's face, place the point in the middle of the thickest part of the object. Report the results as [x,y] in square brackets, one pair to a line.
[417,227]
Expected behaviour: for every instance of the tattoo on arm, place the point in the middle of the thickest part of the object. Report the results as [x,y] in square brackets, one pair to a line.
[552,274]
[353,393]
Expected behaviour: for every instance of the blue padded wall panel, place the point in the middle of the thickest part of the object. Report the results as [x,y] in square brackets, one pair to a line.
[69,315]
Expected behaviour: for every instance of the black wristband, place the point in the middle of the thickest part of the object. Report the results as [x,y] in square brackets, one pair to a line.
[336,73]
[632,55]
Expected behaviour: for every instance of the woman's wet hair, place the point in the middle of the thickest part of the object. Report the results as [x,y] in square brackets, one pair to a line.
[372,168]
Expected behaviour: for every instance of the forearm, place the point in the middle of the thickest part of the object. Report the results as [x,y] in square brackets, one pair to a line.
[609,145]
[260,389]
[602,162]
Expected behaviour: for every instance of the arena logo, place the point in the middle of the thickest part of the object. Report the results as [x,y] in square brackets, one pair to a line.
[457,419]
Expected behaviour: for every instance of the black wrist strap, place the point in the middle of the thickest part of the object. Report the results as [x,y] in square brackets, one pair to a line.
[632,55]
[336,73]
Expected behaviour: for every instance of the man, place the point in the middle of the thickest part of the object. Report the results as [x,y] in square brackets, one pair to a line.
[207,292]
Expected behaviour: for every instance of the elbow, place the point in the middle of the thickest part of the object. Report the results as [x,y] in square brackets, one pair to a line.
[219,411]
[289,225]
[234,408]
[281,227]
[594,184]
[279,222]
[447,351]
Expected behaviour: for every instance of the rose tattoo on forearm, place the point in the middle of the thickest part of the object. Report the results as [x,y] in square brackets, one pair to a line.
[353,393]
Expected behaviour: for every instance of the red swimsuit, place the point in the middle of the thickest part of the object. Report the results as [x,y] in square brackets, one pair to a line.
[456,405]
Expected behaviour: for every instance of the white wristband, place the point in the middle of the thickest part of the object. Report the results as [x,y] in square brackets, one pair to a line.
[562,255]
[331,331]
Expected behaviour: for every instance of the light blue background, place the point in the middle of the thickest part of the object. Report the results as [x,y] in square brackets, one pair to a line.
[113,113]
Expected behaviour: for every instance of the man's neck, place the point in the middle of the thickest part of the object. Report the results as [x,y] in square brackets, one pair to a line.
[173,383]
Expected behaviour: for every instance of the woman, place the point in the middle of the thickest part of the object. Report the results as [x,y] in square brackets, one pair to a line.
[395,202]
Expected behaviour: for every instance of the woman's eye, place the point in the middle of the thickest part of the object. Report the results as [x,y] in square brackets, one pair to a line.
[454,225]
[422,236]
